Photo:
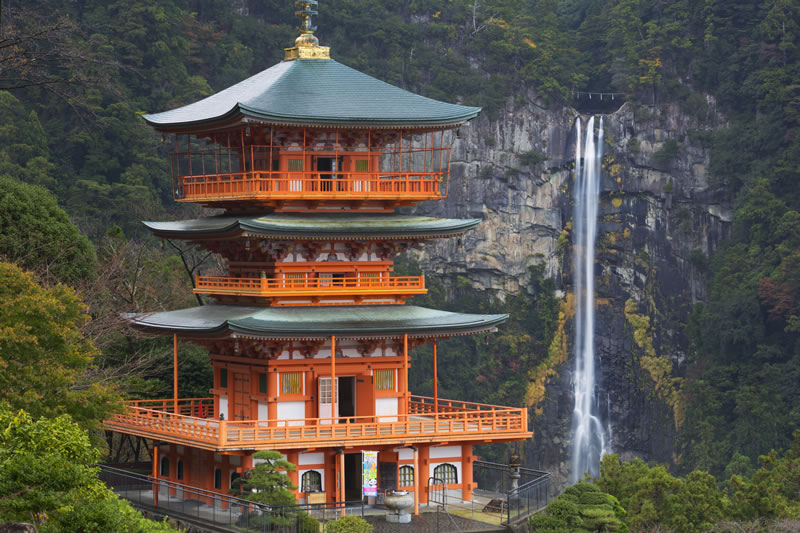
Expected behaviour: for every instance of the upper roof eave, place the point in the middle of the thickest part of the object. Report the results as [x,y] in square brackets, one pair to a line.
[321,93]
[240,113]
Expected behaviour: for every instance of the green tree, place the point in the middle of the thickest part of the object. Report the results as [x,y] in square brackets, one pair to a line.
[269,483]
[49,479]
[44,355]
[774,489]
[651,495]
[38,235]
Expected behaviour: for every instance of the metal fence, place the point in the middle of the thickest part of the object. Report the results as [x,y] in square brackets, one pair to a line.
[184,501]
[512,490]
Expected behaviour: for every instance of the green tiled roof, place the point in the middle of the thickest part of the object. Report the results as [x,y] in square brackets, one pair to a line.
[288,225]
[315,322]
[315,91]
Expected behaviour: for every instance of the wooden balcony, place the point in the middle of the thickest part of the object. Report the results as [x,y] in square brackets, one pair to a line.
[317,289]
[270,187]
[428,421]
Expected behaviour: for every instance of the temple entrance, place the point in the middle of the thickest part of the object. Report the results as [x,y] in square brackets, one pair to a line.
[352,477]
[326,166]
[347,398]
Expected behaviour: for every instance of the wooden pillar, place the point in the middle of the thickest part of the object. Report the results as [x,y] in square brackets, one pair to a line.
[333,377]
[425,464]
[294,458]
[406,395]
[340,481]
[272,395]
[175,373]
[435,380]
[466,472]
[417,480]
[155,474]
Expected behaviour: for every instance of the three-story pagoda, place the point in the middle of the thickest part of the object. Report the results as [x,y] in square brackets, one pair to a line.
[308,332]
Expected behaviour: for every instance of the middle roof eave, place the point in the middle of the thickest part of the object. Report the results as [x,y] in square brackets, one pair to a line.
[290,225]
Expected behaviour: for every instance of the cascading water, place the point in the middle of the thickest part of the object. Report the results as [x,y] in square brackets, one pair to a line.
[588,432]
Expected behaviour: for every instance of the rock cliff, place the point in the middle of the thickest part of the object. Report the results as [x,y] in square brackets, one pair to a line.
[660,220]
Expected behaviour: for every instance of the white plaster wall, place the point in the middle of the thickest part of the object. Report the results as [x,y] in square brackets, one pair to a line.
[292,410]
[386,406]
[263,414]
[438,452]
[404,454]
[311,459]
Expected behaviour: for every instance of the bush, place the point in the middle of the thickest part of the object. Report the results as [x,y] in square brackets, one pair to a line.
[582,507]
[532,158]
[664,156]
[349,524]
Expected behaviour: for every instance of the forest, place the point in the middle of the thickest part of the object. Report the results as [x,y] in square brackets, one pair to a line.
[79,169]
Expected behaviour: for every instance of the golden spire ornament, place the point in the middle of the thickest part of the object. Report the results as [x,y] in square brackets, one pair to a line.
[306,46]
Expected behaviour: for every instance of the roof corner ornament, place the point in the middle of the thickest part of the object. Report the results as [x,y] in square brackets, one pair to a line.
[306,46]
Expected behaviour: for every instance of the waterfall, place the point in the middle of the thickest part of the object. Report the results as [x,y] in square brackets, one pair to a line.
[589,435]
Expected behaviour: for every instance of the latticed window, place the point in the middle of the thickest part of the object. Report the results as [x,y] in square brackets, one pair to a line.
[406,476]
[217,478]
[179,469]
[295,165]
[362,165]
[223,378]
[325,390]
[311,481]
[370,277]
[295,280]
[262,383]
[447,473]
[292,383]
[164,467]
[384,380]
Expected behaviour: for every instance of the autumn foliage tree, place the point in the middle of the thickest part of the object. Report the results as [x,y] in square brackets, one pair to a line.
[44,356]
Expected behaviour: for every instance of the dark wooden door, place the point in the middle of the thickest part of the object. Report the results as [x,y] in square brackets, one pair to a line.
[241,396]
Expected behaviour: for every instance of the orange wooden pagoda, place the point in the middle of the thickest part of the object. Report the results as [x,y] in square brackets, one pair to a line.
[308,332]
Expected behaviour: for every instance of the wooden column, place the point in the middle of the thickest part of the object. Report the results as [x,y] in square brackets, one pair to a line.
[333,379]
[340,480]
[272,395]
[155,474]
[466,472]
[294,458]
[424,462]
[175,373]
[435,380]
[417,481]
[406,393]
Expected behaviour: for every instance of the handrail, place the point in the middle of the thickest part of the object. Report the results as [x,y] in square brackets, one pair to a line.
[247,433]
[310,184]
[288,285]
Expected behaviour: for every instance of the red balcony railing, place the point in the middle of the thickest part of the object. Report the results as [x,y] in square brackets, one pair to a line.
[453,421]
[263,185]
[320,286]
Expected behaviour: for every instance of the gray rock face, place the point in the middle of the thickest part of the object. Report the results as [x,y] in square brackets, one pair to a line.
[660,219]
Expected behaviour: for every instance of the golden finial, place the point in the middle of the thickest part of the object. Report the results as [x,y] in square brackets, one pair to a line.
[307,45]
